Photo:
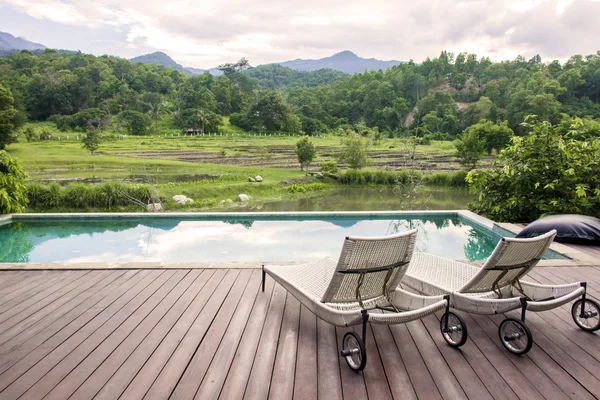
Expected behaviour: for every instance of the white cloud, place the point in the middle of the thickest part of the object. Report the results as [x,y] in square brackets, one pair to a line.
[204,34]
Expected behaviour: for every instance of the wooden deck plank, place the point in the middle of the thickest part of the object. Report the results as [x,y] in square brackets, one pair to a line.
[22,375]
[555,372]
[329,382]
[376,380]
[250,313]
[62,328]
[9,278]
[393,364]
[420,377]
[19,308]
[185,333]
[306,378]
[462,370]
[57,308]
[58,364]
[353,384]
[284,369]
[485,370]
[29,289]
[444,379]
[259,382]
[28,281]
[127,336]
[546,386]
[129,357]
[174,368]
[236,379]
[196,369]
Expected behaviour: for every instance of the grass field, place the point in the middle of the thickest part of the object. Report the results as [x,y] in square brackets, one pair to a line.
[209,168]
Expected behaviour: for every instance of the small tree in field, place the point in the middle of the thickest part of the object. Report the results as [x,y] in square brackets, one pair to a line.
[306,152]
[91,140]
[355,151]
[469,148]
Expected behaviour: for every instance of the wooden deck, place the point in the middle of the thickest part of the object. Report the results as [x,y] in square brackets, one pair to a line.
[209,334]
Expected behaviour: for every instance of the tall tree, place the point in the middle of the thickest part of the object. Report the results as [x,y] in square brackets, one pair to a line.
[7,117]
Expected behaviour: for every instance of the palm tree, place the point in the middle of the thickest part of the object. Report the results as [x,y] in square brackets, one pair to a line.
[202,119]
[155,111]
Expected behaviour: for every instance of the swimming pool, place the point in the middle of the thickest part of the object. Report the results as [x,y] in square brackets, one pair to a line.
[230,238]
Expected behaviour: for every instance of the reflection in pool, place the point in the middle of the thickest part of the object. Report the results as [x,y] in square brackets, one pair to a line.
[247,240]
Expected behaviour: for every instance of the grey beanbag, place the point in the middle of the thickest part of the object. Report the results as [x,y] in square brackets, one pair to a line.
[571,228]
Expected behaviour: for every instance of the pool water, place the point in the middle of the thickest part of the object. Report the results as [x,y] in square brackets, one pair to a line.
[229,240]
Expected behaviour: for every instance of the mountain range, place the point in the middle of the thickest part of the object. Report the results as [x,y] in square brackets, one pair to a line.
[9,42]
[345,61]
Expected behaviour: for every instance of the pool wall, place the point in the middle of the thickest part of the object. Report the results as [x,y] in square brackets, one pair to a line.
[575,257]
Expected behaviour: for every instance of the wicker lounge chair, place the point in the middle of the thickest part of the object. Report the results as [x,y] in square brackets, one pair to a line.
[357,288]
[497,288]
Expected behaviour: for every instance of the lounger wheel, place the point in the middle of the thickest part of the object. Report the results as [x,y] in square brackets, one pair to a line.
[456,333]
[515,336]
[586,316]
[354,351]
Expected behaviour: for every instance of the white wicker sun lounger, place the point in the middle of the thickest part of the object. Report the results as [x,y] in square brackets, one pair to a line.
[497,288]
[364,279]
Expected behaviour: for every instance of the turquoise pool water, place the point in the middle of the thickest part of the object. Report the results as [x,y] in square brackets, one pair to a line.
[229,239]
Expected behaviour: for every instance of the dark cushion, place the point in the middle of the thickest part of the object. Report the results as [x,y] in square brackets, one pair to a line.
[571,228]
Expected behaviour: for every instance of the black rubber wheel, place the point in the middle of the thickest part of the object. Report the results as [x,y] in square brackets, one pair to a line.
[456,335]
[354,351]
[589,320]
[515,336]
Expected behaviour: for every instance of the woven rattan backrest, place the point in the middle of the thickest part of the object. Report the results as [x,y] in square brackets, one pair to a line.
[512,258]
[379,262]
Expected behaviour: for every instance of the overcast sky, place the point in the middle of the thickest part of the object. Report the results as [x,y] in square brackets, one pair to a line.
[205,33]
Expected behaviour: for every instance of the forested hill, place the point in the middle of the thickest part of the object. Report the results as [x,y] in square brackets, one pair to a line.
[275,76]
[345,61]
[159,58]
[438,98]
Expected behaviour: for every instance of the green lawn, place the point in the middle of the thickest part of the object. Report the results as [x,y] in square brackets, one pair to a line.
[152,159]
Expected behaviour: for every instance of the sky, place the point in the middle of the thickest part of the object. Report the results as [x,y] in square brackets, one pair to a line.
[206,33]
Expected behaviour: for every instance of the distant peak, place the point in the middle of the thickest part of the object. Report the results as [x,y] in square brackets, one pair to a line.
[346,54]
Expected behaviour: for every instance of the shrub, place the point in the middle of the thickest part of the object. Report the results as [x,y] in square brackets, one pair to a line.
[541,173]
[83,196]
[355,151]
[329,167]
[12,185]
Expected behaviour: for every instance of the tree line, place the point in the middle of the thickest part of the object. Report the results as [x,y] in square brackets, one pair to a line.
[437,99]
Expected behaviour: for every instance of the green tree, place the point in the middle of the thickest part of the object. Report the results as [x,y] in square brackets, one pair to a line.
[495,136]
[354,152]
[306,152]
[541,173]
[135,122]
[91,140]
[272,112]
[469,148]
[7,117]
[13,197]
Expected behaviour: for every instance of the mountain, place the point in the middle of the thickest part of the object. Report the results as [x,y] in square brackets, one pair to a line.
[346,61]
[9,42]
[160,58]
[198,71]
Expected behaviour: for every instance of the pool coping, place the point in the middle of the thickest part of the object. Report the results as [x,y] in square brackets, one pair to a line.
[576,257]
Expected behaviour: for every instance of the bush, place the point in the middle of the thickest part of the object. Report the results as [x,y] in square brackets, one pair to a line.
[355,151]
[541,173]
[329,167]
[402,177]
[12,185]
[84,196]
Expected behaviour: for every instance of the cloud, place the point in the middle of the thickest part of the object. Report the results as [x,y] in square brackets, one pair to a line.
[204,34]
